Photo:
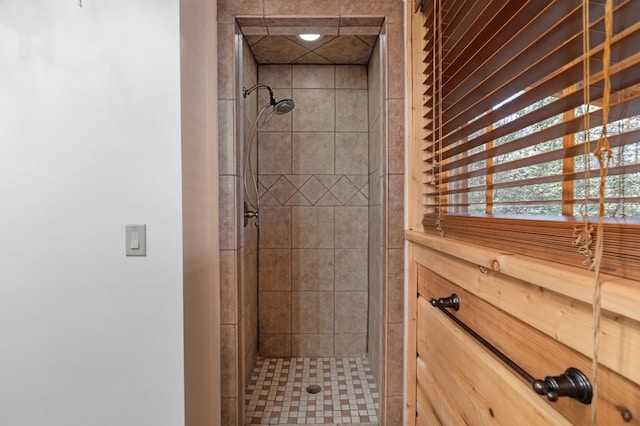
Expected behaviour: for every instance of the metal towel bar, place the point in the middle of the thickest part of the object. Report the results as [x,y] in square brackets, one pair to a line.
[573,383]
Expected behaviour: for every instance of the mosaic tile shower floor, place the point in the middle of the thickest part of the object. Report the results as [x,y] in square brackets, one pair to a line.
[277,392]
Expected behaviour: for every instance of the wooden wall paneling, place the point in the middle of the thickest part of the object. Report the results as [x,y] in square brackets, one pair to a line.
[536,352]
[618,294]
[484,390]
[567,320]
[434,407]
[410,341]
[415,115]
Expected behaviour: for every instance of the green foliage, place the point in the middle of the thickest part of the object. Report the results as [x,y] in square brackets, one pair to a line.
[546,198]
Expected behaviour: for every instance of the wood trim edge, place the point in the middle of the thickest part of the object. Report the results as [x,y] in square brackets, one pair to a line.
[619,295]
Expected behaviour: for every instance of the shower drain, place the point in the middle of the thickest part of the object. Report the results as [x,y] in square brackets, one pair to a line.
[313,389]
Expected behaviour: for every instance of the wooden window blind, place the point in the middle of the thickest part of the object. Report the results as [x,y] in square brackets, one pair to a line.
[508,151]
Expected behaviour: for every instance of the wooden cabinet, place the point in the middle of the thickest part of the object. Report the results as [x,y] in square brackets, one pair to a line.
[453,379]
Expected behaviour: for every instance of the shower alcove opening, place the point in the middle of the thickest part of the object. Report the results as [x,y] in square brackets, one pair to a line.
[311,265]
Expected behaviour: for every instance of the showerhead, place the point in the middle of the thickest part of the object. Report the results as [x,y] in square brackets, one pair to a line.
[283,106]
[280,107]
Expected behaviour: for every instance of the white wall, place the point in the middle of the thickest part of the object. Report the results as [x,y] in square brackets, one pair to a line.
[90,141]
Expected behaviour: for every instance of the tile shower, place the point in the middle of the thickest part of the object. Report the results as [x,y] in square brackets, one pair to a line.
[313,184]
[323,279]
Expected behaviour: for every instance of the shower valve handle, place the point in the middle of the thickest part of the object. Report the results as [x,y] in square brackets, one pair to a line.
[248,214]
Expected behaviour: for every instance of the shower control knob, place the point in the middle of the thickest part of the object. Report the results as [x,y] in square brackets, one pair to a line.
[248,214]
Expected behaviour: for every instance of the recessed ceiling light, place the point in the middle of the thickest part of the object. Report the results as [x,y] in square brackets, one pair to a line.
[309,37]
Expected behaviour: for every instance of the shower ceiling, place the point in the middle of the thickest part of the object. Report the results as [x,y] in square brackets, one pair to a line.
[346,40]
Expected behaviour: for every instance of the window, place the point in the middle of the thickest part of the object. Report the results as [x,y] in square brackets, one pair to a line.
[509,146]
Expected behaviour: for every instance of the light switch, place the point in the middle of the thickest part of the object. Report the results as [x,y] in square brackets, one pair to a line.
[136,240]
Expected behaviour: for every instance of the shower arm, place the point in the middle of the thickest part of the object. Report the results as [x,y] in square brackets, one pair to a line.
[246,92]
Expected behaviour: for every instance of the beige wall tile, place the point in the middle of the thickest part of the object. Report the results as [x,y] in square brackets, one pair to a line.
[275,269]
[282,190]
[375,148]
[344,190]
[277,46]
[302,7]
[250,335]
[351,110]
[266,199]
[228,360]
[302,22]
[226,50]
[395,237]
[275,311]
[249,272]
[312,269]
[358,200]
[228,213]
[298,200]
[352,153]
[328,199]
[313,153]
[313,189]
[395,44]
[347,49]
[229,8]
[396,14]
[364,21]
[275,345]
[351,312]
[314,76]
[350,345]
[230,414]
[226,137]
[351,224]
[275,227]
[312,345]
[249,65]
[312,58]
[241,353]
[312,312]
[375,343]
[229,281]
[278,76]
[393,408]
[351,77]
[367,7]
[395,333]
[351,269]
[315,110]
[375,74]
[274,152]
[395,285]
[395,128]
[312,227]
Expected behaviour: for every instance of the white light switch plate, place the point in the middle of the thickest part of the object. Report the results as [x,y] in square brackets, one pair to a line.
[136,240]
